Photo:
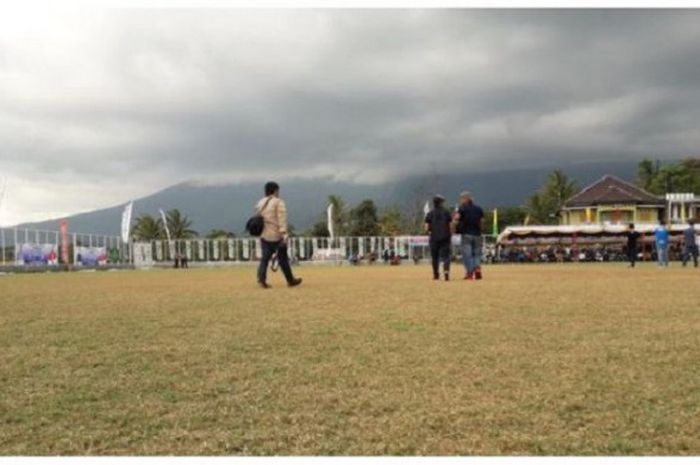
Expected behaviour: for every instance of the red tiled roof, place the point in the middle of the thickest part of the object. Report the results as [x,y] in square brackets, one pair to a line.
[611,190]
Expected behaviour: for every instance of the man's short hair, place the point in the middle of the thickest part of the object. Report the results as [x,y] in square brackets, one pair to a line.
[465,194]
[438,200]
[631,225]
[691,221]
[271,188]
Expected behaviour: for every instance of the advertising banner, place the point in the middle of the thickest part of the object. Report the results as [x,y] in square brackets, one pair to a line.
[143,254]
[159,251]
[126,221]
[37,255]
[91,256]
[231,249]
[64,241]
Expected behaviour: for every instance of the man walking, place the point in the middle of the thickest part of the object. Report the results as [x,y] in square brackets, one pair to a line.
[274,235]
[438,223]
[632,237]
[470,219]
[661,235]
[690,244]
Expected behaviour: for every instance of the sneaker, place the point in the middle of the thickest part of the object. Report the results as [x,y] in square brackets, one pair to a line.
[469,276]
[447,276]
[295,282]
[264,285]
[477,274]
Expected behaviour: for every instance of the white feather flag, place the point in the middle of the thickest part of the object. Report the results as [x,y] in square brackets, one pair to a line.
[126,221]
[330,221]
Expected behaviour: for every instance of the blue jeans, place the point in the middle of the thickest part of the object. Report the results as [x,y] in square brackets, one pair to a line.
[662,255]
[471,252]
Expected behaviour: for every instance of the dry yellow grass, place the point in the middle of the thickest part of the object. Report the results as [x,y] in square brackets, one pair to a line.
[574,359]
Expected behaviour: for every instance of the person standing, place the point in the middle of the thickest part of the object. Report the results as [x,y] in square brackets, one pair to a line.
[632,238]
[690,244]
[274,235]
[438,224]
[470,224]
[662,236]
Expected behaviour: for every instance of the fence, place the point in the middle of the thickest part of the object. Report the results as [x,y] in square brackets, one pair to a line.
[318,249]
[24,246]
[197,250]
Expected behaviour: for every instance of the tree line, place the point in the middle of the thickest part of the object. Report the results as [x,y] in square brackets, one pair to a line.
[366,219]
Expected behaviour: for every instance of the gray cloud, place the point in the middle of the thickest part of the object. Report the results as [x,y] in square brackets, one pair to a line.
[97,106]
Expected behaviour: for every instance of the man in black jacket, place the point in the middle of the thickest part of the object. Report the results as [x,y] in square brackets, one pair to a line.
[632,238]
[438,223]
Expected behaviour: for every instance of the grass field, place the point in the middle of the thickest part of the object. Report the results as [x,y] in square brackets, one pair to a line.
[554,359]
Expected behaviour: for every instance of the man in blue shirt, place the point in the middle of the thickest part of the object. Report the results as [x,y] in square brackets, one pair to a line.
[690,244]
[470,219]
[661,235]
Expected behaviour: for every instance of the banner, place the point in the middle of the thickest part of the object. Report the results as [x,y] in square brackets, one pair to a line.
[143,254]
[231,249]
[330,221]
[37,255]
[246,249]
[302,249]
[126,221]
[419,241]
[91,256]
[64,241]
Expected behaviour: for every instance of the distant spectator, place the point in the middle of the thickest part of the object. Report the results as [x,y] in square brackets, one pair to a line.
[661,235]
[690,245]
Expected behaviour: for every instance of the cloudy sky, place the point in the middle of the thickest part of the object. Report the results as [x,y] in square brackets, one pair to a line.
[100,106]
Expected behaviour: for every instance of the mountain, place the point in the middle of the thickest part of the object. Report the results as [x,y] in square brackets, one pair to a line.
[229,206]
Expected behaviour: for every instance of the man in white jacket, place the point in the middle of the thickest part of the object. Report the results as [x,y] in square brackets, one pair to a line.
[274,236]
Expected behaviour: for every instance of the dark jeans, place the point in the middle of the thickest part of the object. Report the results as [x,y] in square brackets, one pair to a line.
[688,252]
[440,251]
[268,250]
[632,256]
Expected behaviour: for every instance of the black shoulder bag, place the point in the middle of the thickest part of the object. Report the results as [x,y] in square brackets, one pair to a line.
[256,223]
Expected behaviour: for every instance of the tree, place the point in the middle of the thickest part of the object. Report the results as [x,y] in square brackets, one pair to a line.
[363,219]
[647,170]
[545,204]
[507,216]
[148,228]
[220,234]
[179,225]
[683,176]
[391,222]
[539,209]
[320,229]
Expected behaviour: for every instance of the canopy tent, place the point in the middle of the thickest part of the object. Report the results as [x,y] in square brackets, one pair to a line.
[541,234]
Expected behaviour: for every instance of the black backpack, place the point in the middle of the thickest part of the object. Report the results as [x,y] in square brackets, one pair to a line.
[256,223]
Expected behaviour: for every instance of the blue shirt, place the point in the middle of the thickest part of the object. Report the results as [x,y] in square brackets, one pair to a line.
[661,234]
[470,220]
